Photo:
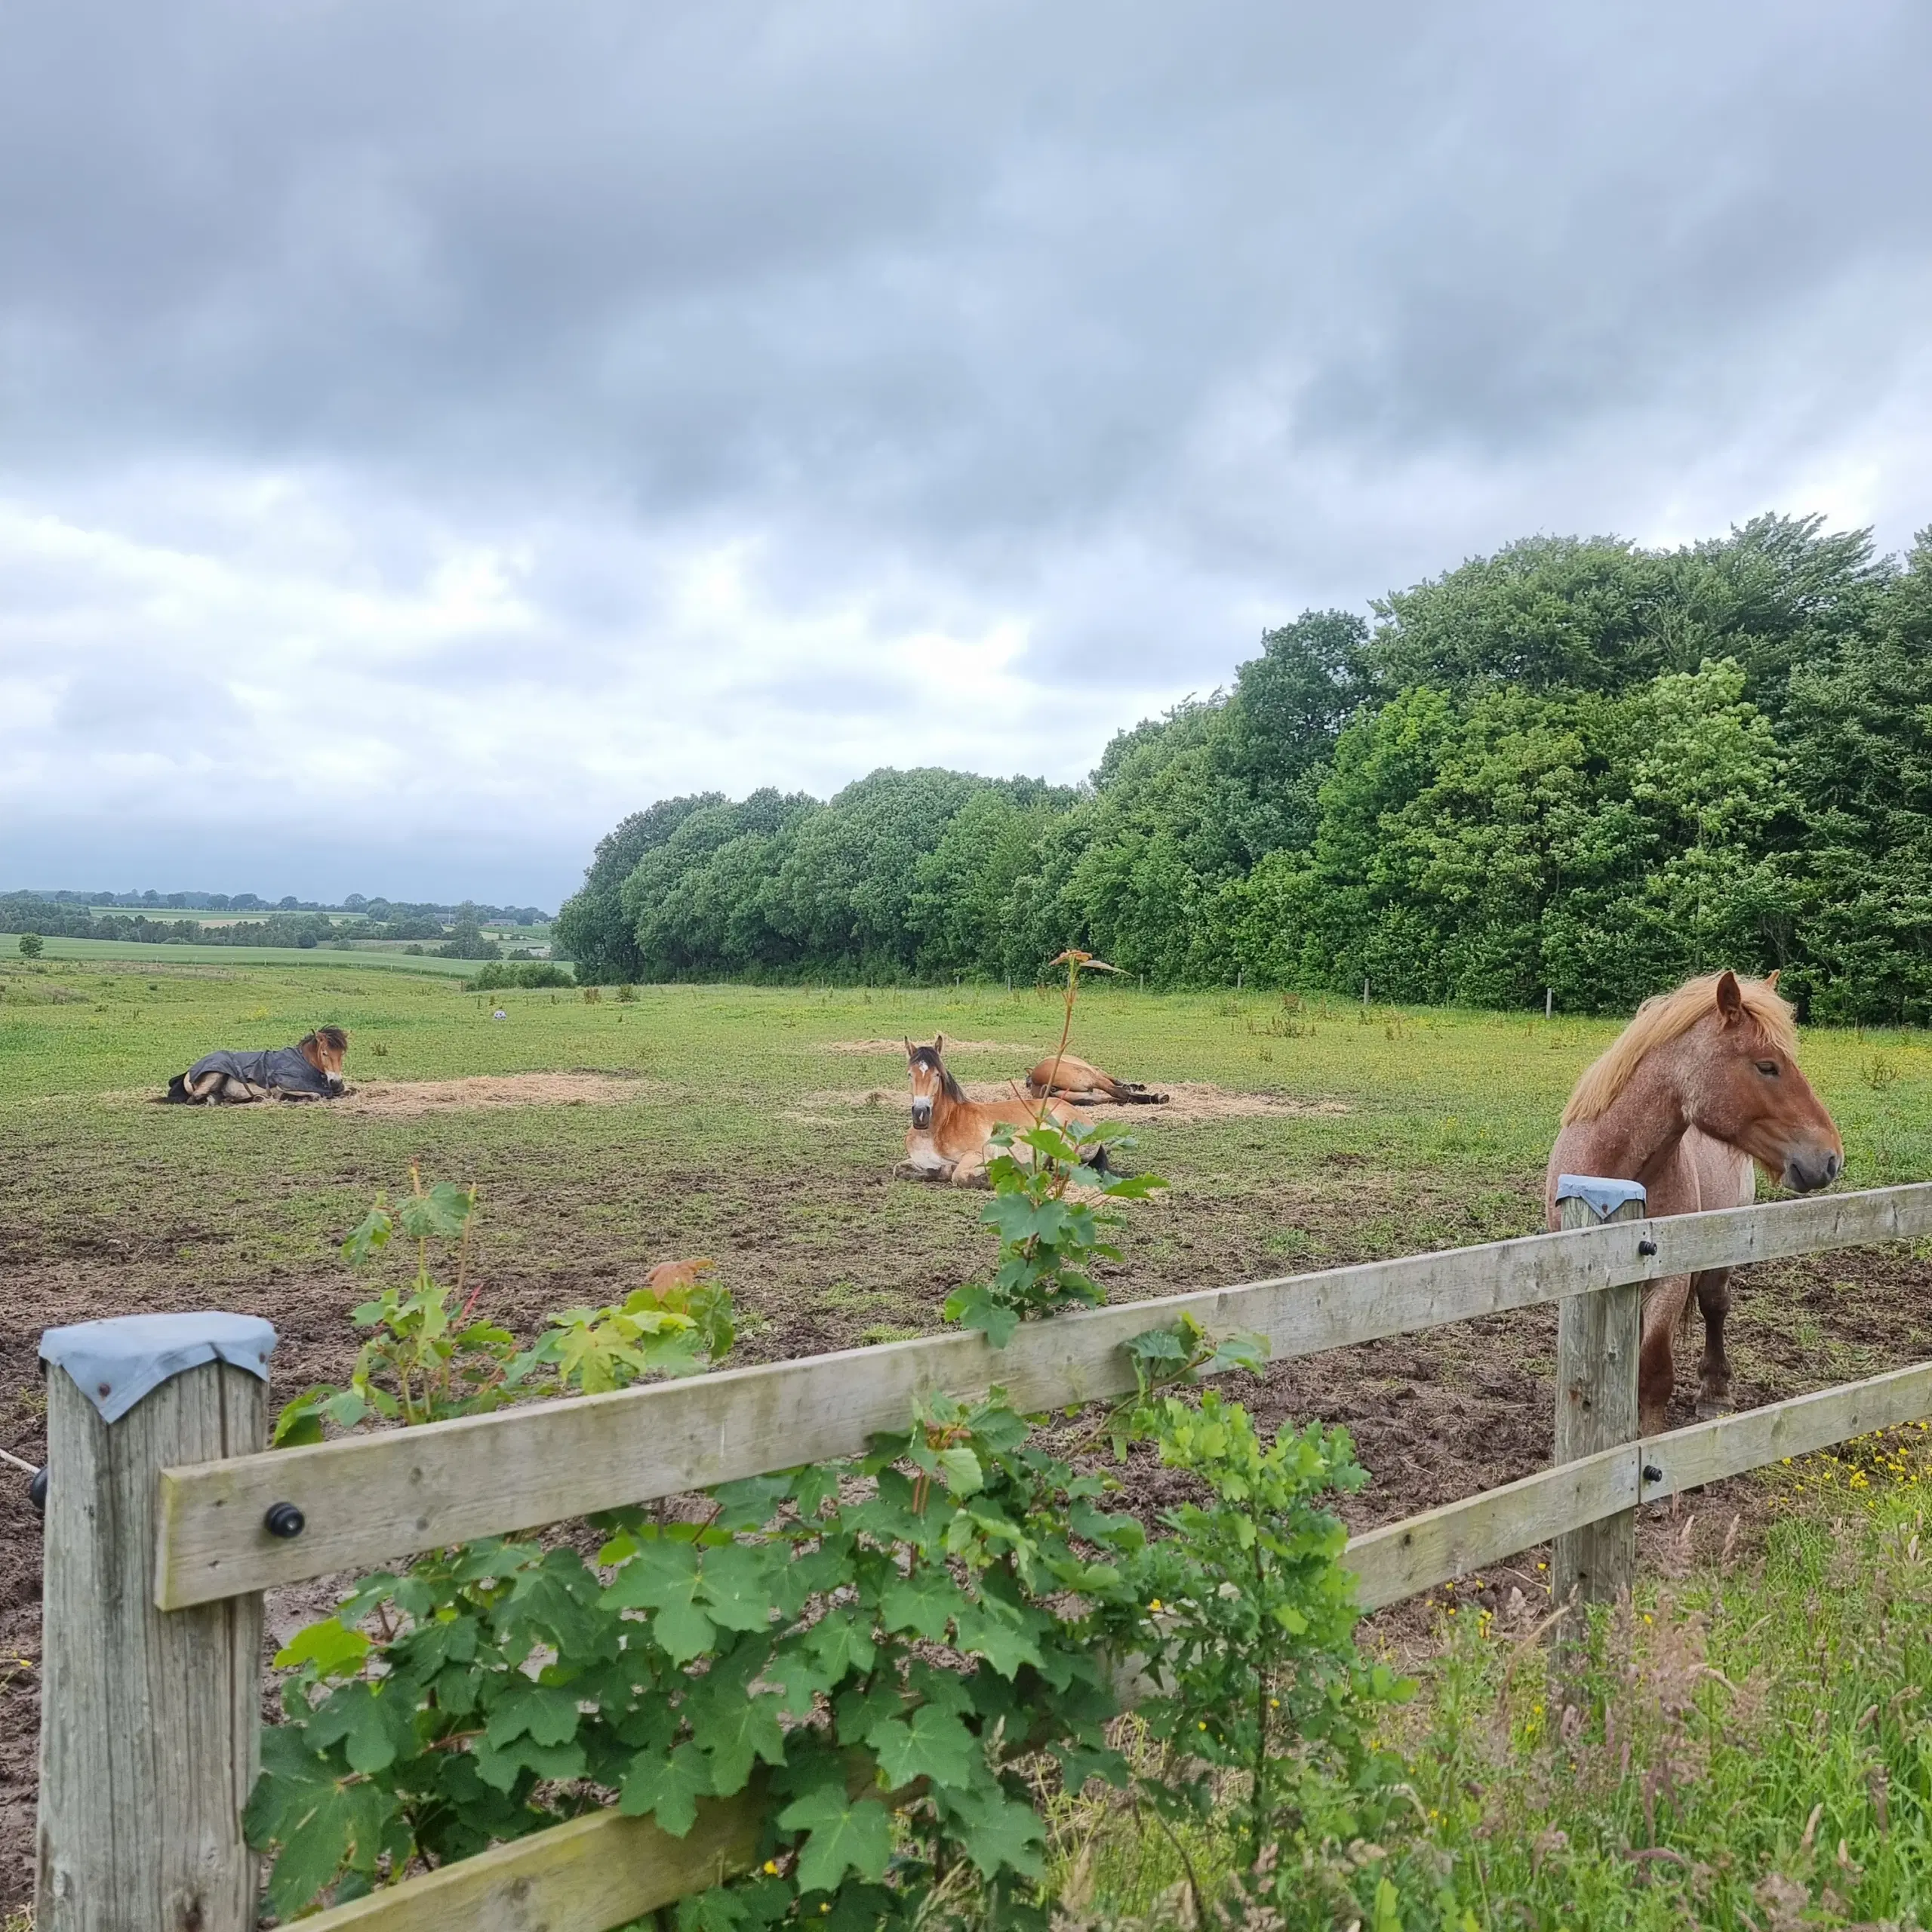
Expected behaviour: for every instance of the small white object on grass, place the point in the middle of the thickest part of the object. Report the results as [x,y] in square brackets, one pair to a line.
[500,1014]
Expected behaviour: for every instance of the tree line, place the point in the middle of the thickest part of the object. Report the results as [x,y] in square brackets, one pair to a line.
[24,913]
[1576,765]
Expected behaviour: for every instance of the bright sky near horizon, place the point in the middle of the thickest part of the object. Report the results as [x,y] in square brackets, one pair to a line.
[428,432]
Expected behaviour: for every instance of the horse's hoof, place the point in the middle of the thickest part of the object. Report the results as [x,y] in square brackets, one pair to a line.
[1714,1408]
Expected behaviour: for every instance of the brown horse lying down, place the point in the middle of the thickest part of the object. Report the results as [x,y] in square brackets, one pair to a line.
[1083,1084]
[951,1137]
[309,1070]
[1701,1089]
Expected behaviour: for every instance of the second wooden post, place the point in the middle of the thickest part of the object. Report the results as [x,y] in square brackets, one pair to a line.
[1598,1337]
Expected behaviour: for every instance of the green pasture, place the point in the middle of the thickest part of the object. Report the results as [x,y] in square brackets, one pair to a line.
[743,1130]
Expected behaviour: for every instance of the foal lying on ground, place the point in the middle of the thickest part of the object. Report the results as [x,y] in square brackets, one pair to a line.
[1084,1085]
[309,1070]
[951,1137]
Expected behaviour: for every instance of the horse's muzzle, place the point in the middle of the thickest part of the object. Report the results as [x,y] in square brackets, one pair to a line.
[1805,1173]
[922,1113]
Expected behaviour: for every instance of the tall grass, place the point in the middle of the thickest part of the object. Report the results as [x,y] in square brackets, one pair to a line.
[1747,1746]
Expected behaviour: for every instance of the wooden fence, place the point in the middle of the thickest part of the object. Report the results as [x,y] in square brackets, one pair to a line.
[159,1690]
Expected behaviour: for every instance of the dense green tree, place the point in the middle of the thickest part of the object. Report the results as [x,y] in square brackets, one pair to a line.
[1577,765]
[592,927]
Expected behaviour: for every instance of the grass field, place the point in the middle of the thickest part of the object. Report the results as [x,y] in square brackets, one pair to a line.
[759,1126]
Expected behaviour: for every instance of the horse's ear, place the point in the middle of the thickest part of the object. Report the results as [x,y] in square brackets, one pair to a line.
[910,1049]
[939,1043]
[1730,1001]
[1771,980]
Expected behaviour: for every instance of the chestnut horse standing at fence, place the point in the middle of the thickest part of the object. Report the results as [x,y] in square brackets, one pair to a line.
[1703,1083]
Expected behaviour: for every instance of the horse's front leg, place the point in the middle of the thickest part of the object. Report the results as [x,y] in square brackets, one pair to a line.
[1656,1361]
[1712,1289]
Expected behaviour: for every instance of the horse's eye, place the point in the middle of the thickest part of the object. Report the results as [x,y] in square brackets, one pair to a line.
[1769,1068]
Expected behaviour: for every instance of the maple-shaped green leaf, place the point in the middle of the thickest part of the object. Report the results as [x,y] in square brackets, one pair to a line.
[733,1734]
[498,1766]
[998,1833]
[663,1576]
[841,1643]
[372,1726]
[549,1714]
[986,1632]
[737,1582]
[930,1743]
[923,1602]
[975,1306]
[442,1211]
[845,1835]
[372,1237]
[1080,1762]
[666,1788]
[748,1504]
[335,1651]
[718,1910]
[320,1821]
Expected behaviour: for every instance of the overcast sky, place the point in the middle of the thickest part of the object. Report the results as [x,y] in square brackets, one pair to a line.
[429,431]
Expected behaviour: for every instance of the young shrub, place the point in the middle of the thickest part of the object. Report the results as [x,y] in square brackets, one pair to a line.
[428,1360]
[1263,1698]
[32,946]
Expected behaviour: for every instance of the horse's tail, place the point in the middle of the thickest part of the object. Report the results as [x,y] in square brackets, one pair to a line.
[178,1090]
[1098,1160]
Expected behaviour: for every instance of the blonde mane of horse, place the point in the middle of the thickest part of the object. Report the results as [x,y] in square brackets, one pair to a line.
[1662,1018]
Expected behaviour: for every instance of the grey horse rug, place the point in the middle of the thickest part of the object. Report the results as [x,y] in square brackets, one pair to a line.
[281,1070]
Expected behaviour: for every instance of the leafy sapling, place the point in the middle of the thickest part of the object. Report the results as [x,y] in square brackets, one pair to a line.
[1258,1677]
[1050,1238]
[430,1358]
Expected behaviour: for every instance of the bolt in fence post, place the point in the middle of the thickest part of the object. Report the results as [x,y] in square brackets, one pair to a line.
[1597,1340]
[150,1718]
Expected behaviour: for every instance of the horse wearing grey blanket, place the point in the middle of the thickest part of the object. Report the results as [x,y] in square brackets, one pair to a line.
[309,1070]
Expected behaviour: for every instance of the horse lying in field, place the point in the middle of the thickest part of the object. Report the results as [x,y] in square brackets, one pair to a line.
[1081,1084]
[951,1138]
[1701,1089]
[309,1070]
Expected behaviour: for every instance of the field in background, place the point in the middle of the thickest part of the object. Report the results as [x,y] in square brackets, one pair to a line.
[759,1126]
[135,952]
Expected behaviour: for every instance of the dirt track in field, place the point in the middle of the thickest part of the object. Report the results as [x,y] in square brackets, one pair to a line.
[1434,1418]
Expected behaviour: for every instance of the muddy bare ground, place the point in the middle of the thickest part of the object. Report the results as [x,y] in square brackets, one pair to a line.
[1434,1417]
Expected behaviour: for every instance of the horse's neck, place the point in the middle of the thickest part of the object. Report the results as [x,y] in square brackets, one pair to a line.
[1637,1136]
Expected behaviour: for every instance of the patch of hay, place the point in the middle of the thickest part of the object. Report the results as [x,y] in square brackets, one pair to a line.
[1189,1102]
[581,1087]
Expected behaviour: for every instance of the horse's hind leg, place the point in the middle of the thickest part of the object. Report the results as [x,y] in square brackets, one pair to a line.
[1712,1289]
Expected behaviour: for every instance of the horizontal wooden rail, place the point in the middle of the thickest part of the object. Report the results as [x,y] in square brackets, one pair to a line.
[602,1871]
[370,1499]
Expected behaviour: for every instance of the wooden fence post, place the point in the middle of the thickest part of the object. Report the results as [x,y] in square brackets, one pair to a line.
[149,1717]
[1597,1340]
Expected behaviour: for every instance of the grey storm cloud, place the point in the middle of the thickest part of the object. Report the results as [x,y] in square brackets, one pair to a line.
[637,382]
